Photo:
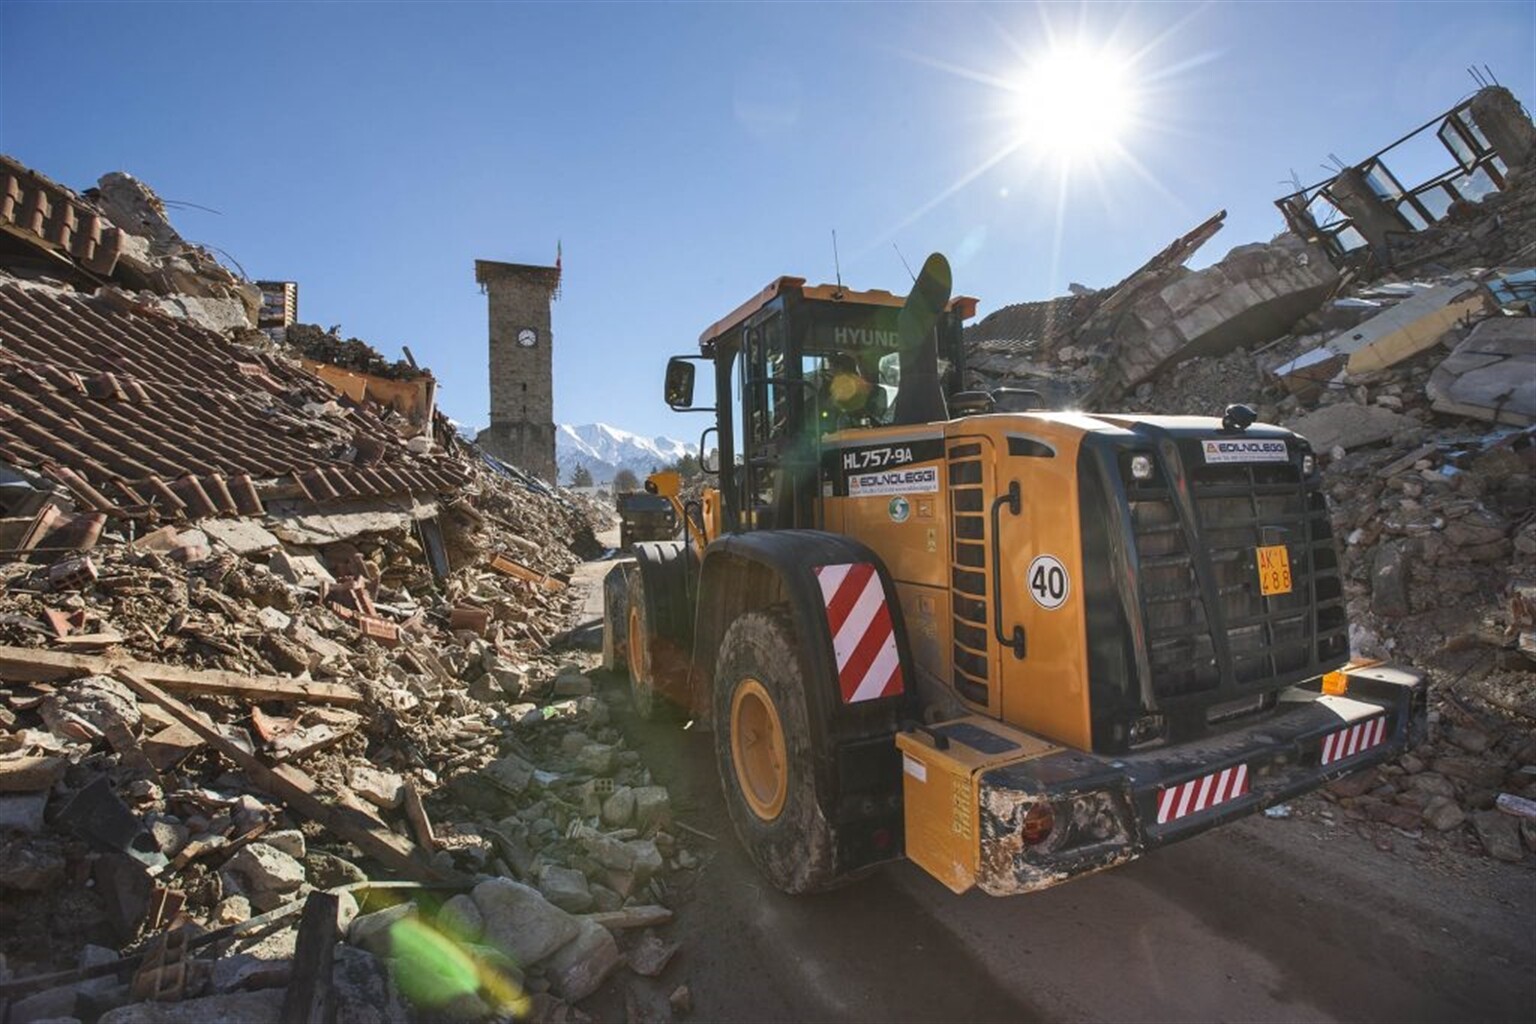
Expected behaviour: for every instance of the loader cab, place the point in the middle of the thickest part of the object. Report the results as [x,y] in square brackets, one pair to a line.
[792,365]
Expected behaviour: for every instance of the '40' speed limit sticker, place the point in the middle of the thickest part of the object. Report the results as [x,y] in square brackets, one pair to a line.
[1048,582]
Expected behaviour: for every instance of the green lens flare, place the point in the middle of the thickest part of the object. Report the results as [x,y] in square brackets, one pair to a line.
[432,970]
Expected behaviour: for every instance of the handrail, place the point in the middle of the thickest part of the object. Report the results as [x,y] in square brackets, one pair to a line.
[1017,640]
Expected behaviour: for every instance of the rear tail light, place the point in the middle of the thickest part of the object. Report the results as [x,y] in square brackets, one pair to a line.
[1039,820]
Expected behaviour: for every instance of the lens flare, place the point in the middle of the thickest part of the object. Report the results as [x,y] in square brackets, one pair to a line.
[1075,102]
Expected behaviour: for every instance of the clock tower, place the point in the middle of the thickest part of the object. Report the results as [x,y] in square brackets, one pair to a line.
[522,430]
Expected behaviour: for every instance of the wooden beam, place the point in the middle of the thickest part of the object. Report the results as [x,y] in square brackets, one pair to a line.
[507,567]
[309,999]
[294,788]
[30,665]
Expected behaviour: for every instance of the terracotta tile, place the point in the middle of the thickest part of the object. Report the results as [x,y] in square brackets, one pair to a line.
[126,401]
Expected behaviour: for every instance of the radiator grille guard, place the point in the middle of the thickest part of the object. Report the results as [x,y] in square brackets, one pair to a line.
[1187,543]
[1237,509]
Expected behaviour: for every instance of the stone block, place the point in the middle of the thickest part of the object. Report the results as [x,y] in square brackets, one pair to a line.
[460,917]
[581,966]
[566,888]
[372,931]
[520,922]
[653,806]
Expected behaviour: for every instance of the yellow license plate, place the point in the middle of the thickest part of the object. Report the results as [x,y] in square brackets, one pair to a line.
[1274,570]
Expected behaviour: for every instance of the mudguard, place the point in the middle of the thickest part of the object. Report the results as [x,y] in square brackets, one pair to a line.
[745,571]
[854,706]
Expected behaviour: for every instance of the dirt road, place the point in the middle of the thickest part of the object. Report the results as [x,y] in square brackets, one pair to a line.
[1266,920]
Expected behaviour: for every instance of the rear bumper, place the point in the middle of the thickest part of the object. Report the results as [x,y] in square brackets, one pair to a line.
[1108,811]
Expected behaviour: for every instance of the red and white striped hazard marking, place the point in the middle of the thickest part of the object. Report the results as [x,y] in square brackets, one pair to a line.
[1360,736]
[863,637]
[1174,802]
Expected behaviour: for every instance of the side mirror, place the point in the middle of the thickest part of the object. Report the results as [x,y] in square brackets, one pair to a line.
[707,464]
[678,390]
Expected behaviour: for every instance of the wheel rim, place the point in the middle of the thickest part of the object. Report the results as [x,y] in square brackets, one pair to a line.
[757,750]
[636,644]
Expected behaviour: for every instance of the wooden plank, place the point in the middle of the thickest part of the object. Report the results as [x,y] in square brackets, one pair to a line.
[30,774]
[309,999]
[90,641]
[1396,466]
[631,917]
[507,567]
[294,788]
[416,814]
[28,664]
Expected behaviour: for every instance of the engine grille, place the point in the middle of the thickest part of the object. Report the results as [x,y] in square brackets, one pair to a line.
[969,570]
[1245,641]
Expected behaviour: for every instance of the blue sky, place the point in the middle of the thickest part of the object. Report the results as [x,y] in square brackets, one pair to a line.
[685,155]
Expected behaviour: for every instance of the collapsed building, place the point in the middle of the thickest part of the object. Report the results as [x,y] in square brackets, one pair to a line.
[277,665]
[1392,326]
[275,641]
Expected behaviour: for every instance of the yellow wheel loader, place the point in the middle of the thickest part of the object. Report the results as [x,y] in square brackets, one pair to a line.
[1015,646]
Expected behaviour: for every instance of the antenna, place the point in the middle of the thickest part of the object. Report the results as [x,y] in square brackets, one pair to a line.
[1477,77]
[904,262]
[837,264]
[1491,75]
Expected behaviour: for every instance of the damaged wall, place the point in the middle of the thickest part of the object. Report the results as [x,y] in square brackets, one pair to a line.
[1253,295]
[1367,215]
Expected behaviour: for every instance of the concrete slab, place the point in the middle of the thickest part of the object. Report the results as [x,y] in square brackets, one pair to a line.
[1491,375]
[1348,426]
[1413,325]
[242,536]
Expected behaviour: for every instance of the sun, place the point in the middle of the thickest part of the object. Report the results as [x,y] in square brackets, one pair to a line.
[1071,106]
[1074,102]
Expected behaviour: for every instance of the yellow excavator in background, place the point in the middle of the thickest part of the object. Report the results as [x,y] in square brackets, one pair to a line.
[1014,645]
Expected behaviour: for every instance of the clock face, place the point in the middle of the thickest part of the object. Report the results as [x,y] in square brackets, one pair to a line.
[526,337]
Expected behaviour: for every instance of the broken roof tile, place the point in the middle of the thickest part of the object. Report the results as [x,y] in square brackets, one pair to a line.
[126,401]
[244,492]
[46,215]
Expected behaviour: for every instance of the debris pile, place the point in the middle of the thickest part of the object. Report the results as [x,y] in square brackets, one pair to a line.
[1416,386]
[276,670]
[349,353]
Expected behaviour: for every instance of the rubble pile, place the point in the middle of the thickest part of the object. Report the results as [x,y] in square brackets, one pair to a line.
[1500,228]
[1416,386]
[328,346]
[118,232]
[278,670]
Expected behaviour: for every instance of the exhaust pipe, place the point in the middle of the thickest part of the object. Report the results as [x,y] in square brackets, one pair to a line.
[920,395]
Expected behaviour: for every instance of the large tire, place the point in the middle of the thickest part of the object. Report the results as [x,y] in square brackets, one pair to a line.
[640,640]
[615,609]
[766,755]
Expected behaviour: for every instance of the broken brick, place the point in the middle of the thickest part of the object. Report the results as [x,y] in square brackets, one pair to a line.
[376,629]
[476,620]
[72,574]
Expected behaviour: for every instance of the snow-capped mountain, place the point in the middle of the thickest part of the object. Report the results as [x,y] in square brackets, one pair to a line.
[605,450]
